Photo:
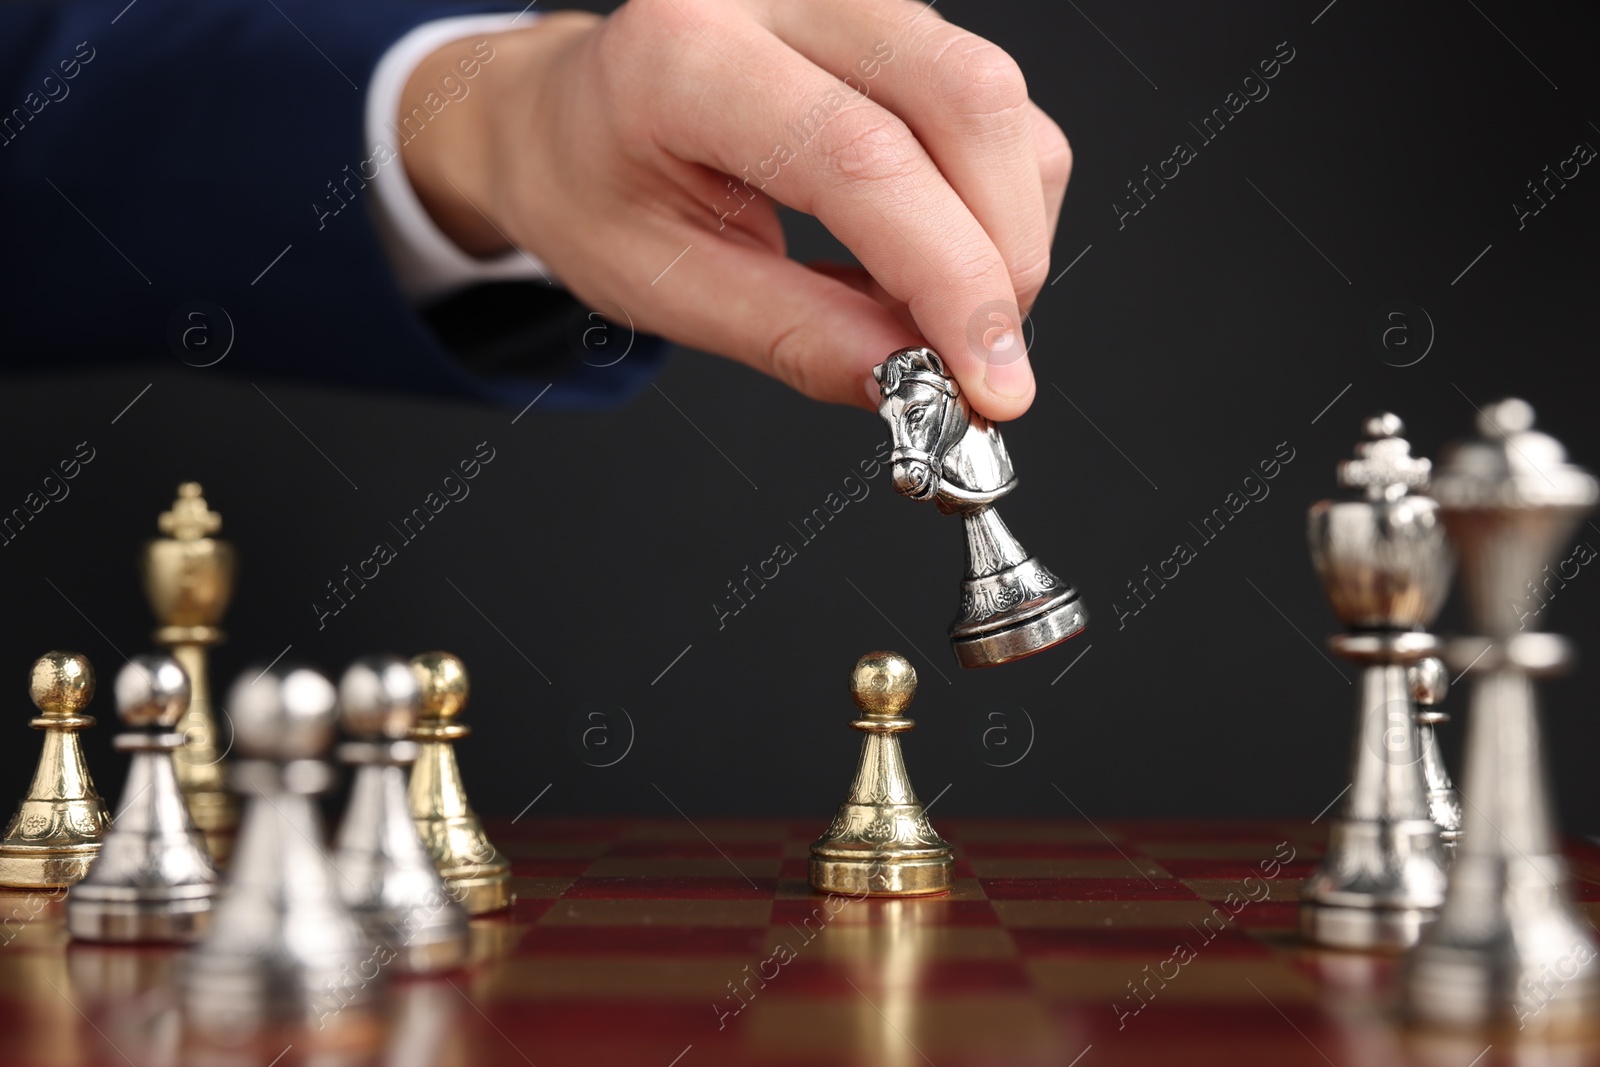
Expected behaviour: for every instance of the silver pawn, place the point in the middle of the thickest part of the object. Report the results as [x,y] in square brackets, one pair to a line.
[1509,946]
[388,877]
[283,947]
[1385,567]
[153,879]
[1430,682]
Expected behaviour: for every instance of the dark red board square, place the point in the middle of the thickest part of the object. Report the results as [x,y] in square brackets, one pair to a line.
[1583,888]
[1203,1023]
[1046,850]
[808,975]
[1269,915]
[529,910]
[697,848]
[530,1024]
[1140,942]
[731,887]
[644,940]
[1086,889]
[549,868]
[1199,830]
[534,828]
[1237,870]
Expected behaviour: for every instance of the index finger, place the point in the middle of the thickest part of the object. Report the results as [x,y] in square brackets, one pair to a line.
[859,168]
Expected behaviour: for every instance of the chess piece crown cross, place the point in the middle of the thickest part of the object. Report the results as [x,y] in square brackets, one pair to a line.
[190,518]
[1384,466]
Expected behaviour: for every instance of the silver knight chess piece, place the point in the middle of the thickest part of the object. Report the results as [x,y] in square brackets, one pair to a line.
[1011,604]
[153,879]
[1509,946]
[1385,566]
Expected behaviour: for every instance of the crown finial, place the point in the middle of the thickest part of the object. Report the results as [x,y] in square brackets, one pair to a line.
[1384,465]
[190,518]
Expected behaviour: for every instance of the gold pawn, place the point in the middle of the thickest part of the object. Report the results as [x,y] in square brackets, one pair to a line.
[478,876]
[880,842]
[188,578]
[56,832]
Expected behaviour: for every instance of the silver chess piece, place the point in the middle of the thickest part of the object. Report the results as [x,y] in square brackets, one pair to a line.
[153,879]
[388,877]
[1011,604]
[1509,945]
[283,947]
[1430,682]
[1385,566]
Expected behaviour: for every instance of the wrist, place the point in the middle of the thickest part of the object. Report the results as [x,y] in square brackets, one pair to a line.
[451,114]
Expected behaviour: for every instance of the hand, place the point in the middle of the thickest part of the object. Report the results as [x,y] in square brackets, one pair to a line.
[609,146]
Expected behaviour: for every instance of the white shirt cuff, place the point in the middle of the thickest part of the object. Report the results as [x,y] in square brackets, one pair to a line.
[428,264]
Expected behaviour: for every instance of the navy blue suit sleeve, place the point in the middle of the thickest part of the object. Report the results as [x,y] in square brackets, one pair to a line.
[162,154]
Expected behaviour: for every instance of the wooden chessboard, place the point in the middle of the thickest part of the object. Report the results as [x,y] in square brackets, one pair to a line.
[671,944]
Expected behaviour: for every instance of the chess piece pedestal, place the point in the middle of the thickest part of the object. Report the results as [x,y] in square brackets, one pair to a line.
[56,832]
[1011,604]
[1385,567]
[153,880]
[188,578]
[474,871]
[1510,948]
[880,842]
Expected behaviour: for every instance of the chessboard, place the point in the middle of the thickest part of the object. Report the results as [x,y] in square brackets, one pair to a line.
[678,943]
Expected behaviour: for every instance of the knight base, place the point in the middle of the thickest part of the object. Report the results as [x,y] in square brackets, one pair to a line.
[1027,627]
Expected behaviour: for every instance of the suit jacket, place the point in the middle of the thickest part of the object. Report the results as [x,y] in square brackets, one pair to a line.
[166,174]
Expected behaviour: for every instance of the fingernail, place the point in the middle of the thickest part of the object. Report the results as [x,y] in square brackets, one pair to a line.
[994,338]
[1007,372]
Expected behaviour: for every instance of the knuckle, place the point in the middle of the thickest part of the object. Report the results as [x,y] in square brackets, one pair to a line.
[979,79]
[1055,153]
[645,37]
[1028,277]
[871,145]
[981,269]
[646,14]
[626,26]
[786,357]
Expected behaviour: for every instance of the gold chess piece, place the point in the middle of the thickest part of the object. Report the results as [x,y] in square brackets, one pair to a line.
[56,832]
[475,872]
[880,842]
[188,578]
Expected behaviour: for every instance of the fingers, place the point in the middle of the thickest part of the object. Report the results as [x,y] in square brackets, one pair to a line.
[1055,166]
[862,282]
[734,98]
[779,317]
[962,97]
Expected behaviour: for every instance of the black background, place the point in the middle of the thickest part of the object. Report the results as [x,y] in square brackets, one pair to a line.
[1191,343]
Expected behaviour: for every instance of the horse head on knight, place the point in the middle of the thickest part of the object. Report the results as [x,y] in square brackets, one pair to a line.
[943,450]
